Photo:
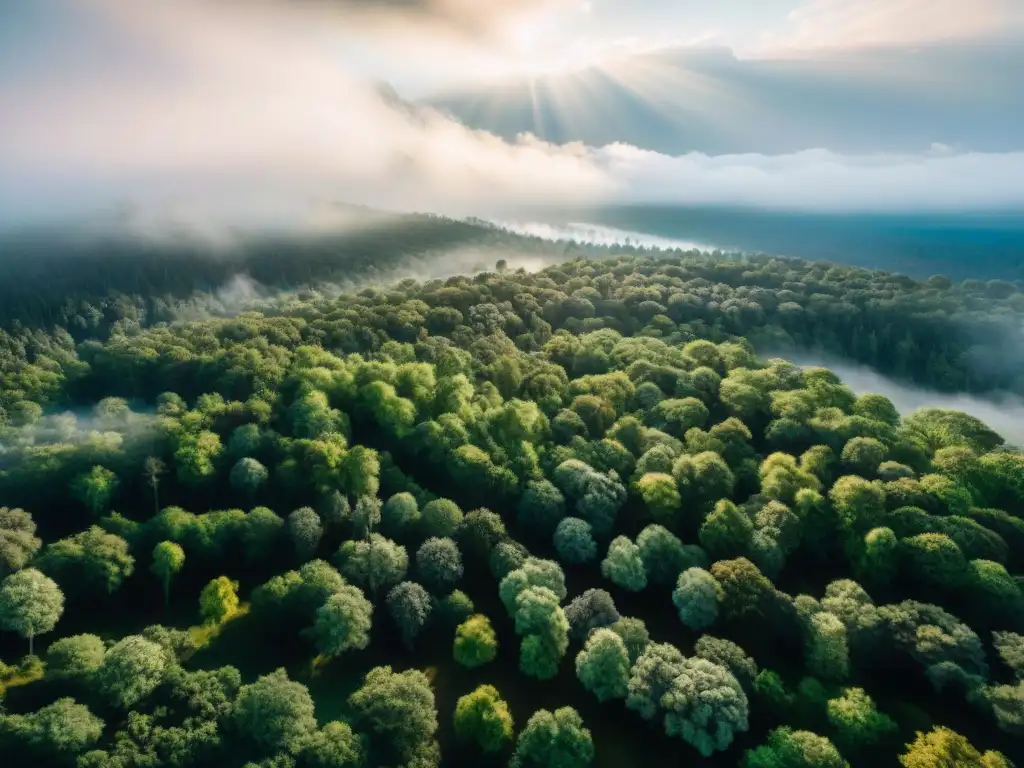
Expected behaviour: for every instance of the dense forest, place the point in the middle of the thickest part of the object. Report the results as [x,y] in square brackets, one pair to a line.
[556,518]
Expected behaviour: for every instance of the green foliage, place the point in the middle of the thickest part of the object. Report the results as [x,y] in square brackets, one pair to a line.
[827,651]
[942,747]
[75,657]
[62,730]
[554,740]
[92,561]
[30,604]
[540,621]
[623,565]
[744,588]
[603,665]
[439,564]
[476,643]
[786,748]
[574,541]
[705,706]
[95,488]
[696,597]
[726,532]
[442,518]
[218,600]
[343,622]
[132,668]
[375,563]
[168,559]
[335,745]
[483,716]
[410,606]
[727,654]
[858,724]
[533,573]
[18,540]
[275,714]
[588,611]
[398,711]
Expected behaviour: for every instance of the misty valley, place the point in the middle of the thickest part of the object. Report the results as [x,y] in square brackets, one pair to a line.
[420,491]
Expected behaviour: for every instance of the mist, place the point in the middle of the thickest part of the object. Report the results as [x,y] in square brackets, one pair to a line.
[220,115]
[1003,413]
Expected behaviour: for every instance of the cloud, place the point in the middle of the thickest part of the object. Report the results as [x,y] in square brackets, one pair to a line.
[249,118]
[850,23]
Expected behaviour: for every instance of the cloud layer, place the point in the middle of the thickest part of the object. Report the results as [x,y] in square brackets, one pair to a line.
[249,117]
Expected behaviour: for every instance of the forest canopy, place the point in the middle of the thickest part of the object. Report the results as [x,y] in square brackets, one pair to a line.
[563,517]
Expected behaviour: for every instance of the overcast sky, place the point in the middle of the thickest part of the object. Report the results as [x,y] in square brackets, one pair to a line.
[255,110]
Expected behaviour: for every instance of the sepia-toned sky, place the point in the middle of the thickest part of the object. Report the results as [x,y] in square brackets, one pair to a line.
[256,110]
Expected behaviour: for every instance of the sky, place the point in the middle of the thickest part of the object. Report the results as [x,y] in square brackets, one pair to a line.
[222,111]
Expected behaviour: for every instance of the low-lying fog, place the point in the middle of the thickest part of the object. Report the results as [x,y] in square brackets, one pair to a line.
[1004,414]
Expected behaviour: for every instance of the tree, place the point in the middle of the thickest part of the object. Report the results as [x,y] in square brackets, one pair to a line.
[305,529]
[483,716]
[696,597]
[727,654]
[343,622]
[541,623]
[506,557]
[168,559]
[857,722]
[365,516]
[375,563]
[439,564]
[18,540]
[480,531]
[935,559]
[879,560]
[248,475]
[541,507]
[1010,647]
[663,554]
[863,455]
[275,714]
[410,606]
[726,532]
[651,677]
[554,740]
[942,747]
[786,748]
[62,729]
[533,573]
[660,494]
[603,665]
[455,608]
[623,565]
[828,655]
[744,588]
[705,706]
[859,503]
[400,514]
[152,470]
[262,532]
[591,610]
[398,709]
[95,488]
[91,561]
[335,745]
[442,518]
[74,657]
[634,634]
[132,669]
[574,541]
[476,643]
[30,604]
[219,600]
